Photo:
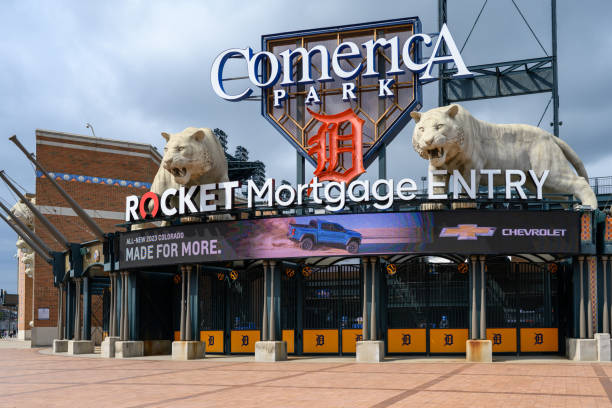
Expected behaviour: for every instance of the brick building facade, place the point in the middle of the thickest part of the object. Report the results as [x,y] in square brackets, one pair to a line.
[98,174]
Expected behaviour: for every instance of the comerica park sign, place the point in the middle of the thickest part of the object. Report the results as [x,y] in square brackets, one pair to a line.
[206,198]
[374,70]
[332,63]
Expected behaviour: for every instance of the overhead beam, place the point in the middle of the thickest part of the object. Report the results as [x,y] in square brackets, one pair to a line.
[59,237]
[512,78]
[89,222]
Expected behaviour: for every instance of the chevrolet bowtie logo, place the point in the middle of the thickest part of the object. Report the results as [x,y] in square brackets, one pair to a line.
[467,232]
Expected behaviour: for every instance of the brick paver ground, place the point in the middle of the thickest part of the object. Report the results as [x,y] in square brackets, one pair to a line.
[35,378]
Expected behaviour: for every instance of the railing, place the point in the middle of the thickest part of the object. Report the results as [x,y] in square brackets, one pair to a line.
[601,185]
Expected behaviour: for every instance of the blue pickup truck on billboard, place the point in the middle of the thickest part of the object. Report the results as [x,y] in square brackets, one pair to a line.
[324,234]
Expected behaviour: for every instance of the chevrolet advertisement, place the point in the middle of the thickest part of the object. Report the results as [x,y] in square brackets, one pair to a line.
[465,232]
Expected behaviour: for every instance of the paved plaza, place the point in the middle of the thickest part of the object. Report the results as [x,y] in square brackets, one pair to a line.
[36,378]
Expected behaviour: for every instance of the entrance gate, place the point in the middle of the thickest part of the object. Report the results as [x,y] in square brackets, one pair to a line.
[332,309]
[427,308]
[523,307]
[230,308]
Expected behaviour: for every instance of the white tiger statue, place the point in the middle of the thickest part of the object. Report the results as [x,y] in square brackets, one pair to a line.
[450,138]
[191,157]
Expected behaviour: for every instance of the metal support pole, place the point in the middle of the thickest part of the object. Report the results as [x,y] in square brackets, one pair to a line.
[264,320]
[117,309]
[610,269]
[442,19]
[188,306]
[121,305]
[300,168]
[117,314]
[60,311]
[366,332]
[59,237]
[373,322]
[474,334]
[69,308]
[273,301]
[26,229]
[606,316]
[86,310]
[589,304]
[581,297]
[127,305]
[122,332]
[483,302]
[182,328]
[86,327]
[382,167]
[77,315]
[41,252]
[113,299]
[87,220]
[555,85]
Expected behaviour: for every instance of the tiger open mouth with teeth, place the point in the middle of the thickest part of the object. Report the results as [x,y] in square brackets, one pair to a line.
[436,154]
[181,174]
[176,172]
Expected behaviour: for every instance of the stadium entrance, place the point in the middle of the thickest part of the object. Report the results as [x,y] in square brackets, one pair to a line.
[424,308]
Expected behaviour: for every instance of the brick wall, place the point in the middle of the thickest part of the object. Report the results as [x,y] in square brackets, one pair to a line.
[81,155]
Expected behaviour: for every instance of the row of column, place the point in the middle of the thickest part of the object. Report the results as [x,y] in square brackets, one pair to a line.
[119,323]
[82,332]
[81,327]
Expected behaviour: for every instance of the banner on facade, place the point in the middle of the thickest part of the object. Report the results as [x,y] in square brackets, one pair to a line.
[461,232]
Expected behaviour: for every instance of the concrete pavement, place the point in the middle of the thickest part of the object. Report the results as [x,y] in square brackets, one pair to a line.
[36,378]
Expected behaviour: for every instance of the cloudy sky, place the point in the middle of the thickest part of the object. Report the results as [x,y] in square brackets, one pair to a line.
[136,68]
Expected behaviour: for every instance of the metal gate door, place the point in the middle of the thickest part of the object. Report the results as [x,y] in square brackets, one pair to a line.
[245,298]
[291,282]
[427,308]
[523,306]
[213,311]
[332,309]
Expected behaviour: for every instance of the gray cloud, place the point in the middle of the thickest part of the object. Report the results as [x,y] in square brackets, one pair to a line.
[138,68]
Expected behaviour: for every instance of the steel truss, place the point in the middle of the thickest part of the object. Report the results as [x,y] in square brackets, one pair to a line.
[509,78]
